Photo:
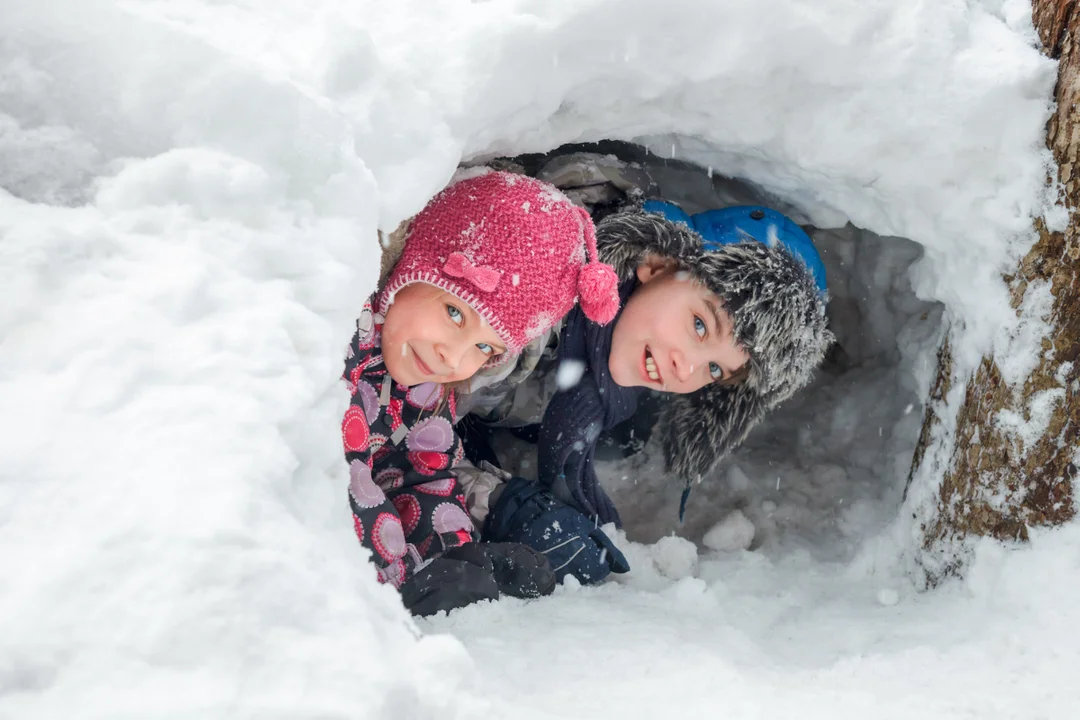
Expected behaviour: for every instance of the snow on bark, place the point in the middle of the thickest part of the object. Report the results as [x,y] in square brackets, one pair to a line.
[1008,462]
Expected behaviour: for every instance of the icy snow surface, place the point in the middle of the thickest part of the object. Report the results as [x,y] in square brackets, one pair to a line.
[190,194]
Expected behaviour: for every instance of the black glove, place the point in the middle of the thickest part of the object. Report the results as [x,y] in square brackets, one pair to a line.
[519,570]
[473,572]
[527,513]
[461,576]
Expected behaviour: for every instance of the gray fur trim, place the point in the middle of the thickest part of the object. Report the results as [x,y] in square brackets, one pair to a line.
[779,319]
[624,239]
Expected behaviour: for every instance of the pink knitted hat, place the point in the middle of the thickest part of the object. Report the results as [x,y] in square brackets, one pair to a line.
[514,249]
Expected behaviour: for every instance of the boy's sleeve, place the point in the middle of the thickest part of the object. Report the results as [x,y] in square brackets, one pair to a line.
[567,445]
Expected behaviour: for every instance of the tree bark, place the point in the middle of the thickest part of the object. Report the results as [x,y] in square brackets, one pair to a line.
[992,485]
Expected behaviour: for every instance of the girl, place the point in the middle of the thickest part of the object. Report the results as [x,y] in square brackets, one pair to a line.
[490,264]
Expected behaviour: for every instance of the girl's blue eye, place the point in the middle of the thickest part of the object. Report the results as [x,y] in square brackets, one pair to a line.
[699,326]
[455,315]
[485,348]
[715,371]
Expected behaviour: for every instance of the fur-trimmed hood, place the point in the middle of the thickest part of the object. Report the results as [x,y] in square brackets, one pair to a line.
[779,318]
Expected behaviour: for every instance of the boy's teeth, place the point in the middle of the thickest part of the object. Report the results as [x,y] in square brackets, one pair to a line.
[650,367]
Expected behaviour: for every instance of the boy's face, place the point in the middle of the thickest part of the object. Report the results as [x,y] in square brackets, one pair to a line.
[673,335]
[430,335]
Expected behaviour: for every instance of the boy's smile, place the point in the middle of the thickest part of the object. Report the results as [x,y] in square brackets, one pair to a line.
[651,373]
[674,335]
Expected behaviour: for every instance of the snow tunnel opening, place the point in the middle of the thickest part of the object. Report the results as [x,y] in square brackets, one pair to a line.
[827,469]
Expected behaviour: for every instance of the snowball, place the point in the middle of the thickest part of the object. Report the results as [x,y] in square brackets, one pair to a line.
[569,373]
[734,532]
[675,557]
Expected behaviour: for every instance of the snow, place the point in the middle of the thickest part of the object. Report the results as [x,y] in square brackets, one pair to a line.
[734,532]
[190,197]
[569,374]
[760,637]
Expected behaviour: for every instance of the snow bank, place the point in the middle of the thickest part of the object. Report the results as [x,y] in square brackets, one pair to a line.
[755,637]
[170,508]
[187,224]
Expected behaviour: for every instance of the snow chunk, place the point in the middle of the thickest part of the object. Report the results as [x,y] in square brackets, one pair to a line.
[735,532]
[569,373]
[468,173]
[675,557]
[1040,409]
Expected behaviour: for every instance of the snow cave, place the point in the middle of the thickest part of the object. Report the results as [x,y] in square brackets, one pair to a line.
[191,193]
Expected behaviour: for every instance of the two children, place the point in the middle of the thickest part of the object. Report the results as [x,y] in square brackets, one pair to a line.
[723,311]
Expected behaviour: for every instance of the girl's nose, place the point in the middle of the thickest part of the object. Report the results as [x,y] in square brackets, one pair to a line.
[450,355]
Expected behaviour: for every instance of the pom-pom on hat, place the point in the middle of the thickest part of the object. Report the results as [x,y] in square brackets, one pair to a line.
[512,247]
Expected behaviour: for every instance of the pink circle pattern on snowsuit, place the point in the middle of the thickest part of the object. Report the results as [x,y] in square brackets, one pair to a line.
[449,518]
[388,537]
[370,400]
[354,430]
[391,478]
[427,463]
[363,489]
[434,434]
[408,508]
[443,487]
[425,396]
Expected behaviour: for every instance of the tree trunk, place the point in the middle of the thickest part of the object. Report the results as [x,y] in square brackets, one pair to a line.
[993,486]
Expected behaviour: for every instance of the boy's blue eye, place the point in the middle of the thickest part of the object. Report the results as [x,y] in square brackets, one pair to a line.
[715,371]
[485,348]
[455,314]
[699,326]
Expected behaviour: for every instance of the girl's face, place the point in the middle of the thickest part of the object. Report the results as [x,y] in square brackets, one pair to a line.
[430,335]
[673,335]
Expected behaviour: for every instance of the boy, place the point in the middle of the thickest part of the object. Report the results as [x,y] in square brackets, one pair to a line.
[724,310]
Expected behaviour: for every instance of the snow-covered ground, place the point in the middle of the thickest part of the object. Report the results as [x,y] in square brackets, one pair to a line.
[189,194]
